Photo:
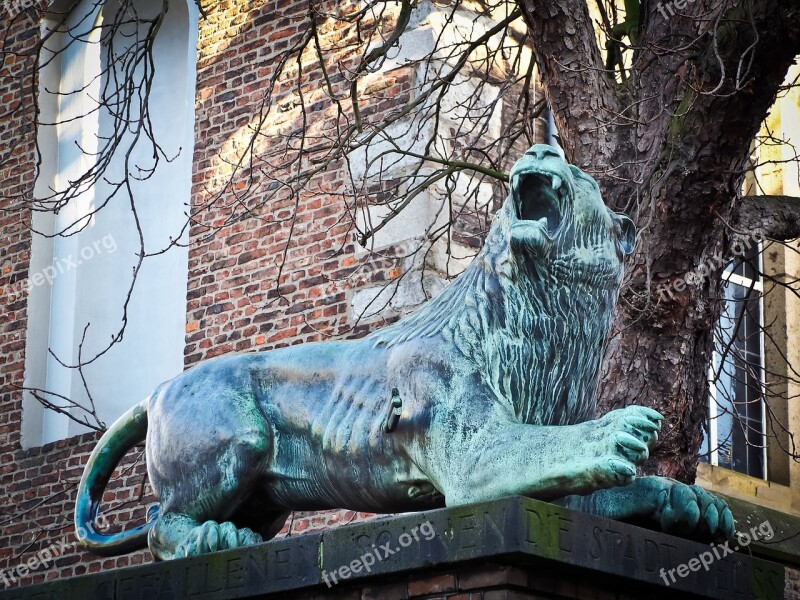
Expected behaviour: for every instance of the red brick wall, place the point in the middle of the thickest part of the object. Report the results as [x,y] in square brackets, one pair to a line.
[22,482]
[263,280]
[232,278]
[36,485]
[280,275]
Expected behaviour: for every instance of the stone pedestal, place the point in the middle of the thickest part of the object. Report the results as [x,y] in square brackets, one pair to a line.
[512,548]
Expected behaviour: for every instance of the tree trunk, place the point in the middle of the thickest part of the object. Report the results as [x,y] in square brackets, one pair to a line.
[670,147]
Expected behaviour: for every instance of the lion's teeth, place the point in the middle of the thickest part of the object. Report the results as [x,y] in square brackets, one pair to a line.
[556,182]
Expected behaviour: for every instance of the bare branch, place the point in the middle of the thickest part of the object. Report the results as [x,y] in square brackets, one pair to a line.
[778,217]
[579,92]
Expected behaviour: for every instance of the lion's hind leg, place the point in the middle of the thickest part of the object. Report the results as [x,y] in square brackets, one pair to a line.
[202,509]
[204,470]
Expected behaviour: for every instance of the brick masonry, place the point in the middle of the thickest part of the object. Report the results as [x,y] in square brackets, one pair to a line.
[258,283]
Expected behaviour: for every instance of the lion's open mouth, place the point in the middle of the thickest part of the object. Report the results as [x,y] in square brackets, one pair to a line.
[540,196]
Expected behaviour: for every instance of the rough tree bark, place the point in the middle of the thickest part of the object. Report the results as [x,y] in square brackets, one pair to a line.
[670,146]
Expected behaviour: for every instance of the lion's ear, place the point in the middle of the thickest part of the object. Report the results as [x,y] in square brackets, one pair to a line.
[627,237]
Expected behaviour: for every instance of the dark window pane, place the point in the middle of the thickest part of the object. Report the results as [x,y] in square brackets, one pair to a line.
[738,408]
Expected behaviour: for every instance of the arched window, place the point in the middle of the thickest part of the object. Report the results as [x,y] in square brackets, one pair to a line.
[117,90]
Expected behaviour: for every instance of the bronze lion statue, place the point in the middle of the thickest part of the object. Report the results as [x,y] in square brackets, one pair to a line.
[488,390]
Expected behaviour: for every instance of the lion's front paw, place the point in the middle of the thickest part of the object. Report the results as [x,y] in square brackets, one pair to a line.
[212,536]
[619,441]
[689,510]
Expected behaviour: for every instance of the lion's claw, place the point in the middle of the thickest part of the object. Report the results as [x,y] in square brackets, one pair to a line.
[624,471]
[212,536]
[621,440]
[633,448]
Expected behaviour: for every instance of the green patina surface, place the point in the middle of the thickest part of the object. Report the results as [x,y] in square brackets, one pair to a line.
[539,537]
[480,394]
[784,542]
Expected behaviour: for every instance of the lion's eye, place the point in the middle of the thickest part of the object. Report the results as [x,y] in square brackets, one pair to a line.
[538,200]
[625,231]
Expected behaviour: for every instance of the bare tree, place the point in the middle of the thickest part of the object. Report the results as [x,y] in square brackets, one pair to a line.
[661,104]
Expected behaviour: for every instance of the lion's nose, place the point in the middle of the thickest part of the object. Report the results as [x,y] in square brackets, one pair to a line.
[540,151]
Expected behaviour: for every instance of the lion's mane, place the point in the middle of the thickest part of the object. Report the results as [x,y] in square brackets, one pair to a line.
[532,327]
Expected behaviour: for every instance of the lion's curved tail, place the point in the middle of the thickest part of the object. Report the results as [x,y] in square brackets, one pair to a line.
[126,432]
